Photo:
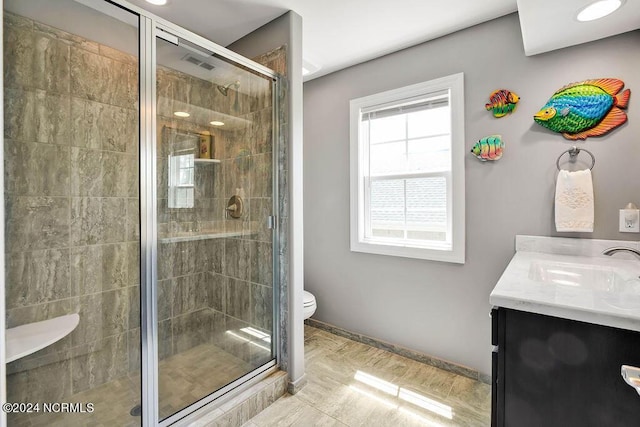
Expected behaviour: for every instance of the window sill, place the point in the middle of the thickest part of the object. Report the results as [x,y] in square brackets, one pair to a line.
[431,254]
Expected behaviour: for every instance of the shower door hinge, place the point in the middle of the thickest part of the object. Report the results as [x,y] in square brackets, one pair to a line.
[271,222]
[167,36]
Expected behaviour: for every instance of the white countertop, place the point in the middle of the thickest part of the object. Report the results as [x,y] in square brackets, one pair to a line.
[616,304]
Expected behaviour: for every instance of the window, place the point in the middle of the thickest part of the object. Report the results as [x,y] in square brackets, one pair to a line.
[181,182]
[407,171]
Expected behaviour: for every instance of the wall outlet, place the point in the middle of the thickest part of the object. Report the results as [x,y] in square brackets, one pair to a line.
[629,220]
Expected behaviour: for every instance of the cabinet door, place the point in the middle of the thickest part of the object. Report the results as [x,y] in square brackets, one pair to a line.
[563,373]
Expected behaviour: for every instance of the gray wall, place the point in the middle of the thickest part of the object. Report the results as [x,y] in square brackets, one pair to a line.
[438,308]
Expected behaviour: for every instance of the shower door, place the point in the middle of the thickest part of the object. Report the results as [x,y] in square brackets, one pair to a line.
[215,201]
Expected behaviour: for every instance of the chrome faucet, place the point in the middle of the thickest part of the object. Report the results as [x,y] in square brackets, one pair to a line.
[617,249]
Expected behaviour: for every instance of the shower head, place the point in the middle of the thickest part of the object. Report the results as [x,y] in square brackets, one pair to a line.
[225,89]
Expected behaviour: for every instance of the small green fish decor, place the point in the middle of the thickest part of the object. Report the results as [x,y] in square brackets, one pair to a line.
[584,109]
[489,148]
[502,102]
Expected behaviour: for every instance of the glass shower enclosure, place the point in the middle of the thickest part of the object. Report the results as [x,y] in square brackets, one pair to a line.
[140,205]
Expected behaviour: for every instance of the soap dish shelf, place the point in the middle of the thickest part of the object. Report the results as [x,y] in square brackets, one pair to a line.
[26,339]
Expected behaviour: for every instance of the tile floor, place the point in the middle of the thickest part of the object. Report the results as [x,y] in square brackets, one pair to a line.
[353,384]
[184,378]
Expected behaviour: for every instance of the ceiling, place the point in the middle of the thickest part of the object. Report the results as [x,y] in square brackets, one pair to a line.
[551,24]
[336,33]
[341,33]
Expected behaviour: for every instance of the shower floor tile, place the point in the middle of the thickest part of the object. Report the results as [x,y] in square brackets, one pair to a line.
[353,384]
[184,379]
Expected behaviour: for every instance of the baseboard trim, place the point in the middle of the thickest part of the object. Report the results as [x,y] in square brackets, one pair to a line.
[401,351]
[295,386]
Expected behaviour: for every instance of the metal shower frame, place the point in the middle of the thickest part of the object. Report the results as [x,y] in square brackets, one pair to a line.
[150,28]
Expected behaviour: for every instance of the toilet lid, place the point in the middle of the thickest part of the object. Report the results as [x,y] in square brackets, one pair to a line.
[308,298]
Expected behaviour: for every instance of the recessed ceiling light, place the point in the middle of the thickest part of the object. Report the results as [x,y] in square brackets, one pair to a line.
[181,114]
[217,123]
[598,10]
[157,2]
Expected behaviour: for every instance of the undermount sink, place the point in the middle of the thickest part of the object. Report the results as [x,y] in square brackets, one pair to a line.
[595,277]
[616,288]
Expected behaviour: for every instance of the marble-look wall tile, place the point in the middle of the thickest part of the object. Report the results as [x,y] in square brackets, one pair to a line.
[100,126]
[19,114]
[48,383]
[102,315]
[237,259]
[176,259]
[99,268]
[18,51]
[52,118]
[235,181]
[36,169]
[134,350]
[38,359]
[102,174]
[209,255]
[262,263]
[262,131]
[190,330]
[261,208]
[132,220]
[134,307]
[218,328]
[97,220]
[98,362]
[72,255]
[238,299]
[165,299]
[133,263]
[37,277]
[36,223]
[262,306]
[102,79]
[118,55]
[262,182]
[50,64]
[68,38]
[216,291]
[189,293]
[165,339]
[38,60]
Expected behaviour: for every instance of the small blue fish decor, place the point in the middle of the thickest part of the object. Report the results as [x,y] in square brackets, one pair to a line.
[502,102]
[489,148]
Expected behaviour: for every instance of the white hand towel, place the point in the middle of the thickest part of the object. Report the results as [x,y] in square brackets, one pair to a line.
[574,201]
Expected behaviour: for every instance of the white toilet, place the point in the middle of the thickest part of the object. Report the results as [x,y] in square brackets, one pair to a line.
[309,304]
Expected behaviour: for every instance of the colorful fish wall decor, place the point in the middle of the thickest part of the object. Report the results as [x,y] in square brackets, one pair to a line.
[502,102]
[588,108]
[489,148]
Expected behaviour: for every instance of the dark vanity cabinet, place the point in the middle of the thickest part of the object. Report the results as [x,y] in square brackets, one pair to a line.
[554,372]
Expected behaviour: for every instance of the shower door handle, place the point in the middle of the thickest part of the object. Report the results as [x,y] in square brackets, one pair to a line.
[271,222]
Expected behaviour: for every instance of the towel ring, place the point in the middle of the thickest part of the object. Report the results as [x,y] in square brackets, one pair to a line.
[573,153]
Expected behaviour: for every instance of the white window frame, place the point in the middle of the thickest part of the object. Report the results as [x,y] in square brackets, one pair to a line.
[360,178]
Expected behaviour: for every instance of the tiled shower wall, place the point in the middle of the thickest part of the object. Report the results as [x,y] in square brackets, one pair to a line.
[71,153]
[211,286]
[71,195]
